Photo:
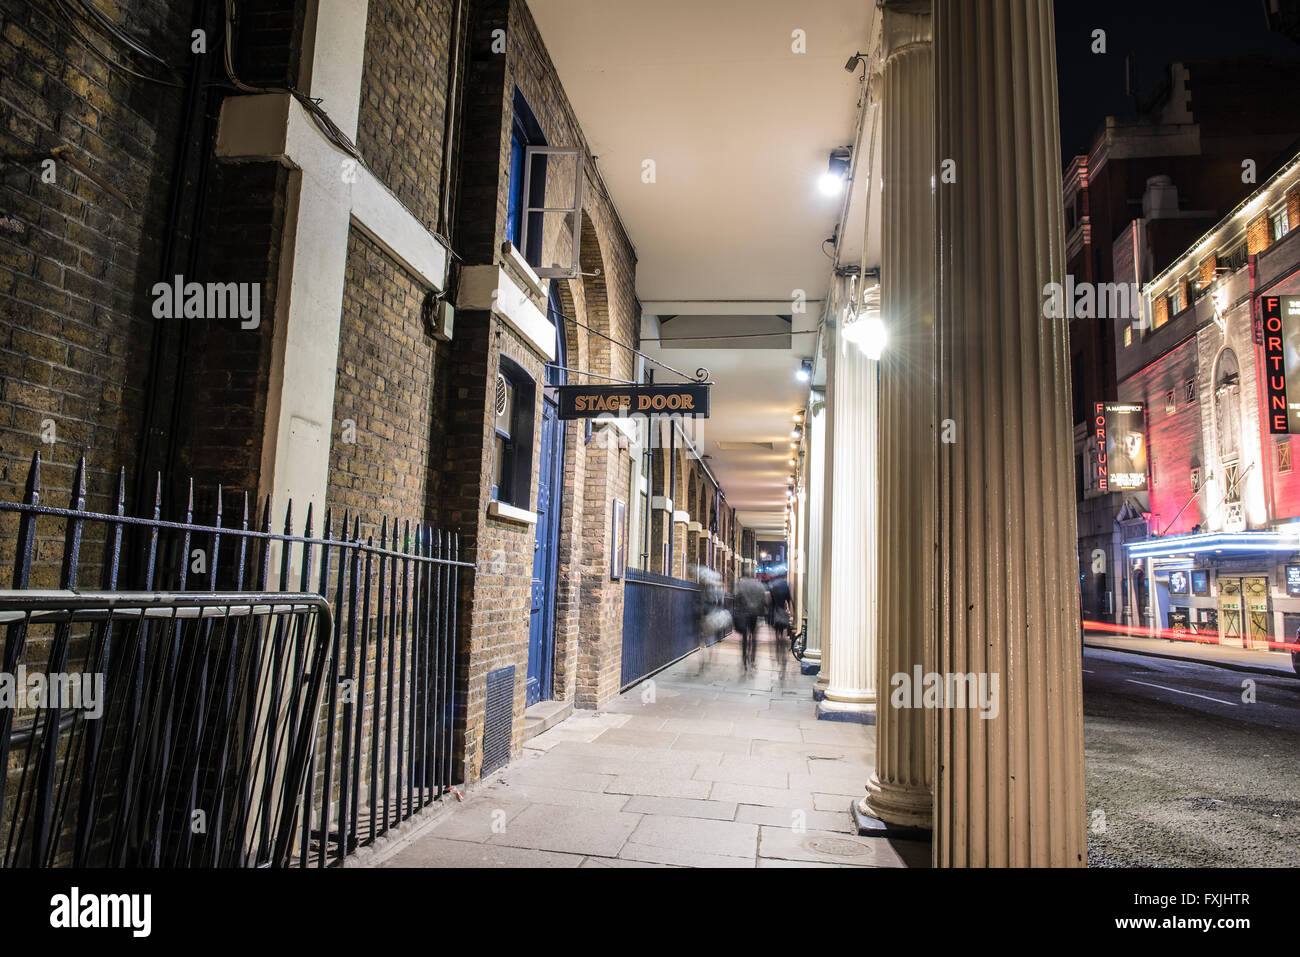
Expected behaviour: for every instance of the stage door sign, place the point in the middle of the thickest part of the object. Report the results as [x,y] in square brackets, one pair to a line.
[594,401]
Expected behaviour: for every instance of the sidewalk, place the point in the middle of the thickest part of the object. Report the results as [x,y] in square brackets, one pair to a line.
[1223,656]
[697,767]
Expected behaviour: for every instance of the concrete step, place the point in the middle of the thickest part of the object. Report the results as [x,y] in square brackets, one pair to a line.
[545,715]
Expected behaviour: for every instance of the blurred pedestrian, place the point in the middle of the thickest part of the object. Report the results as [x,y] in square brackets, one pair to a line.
[781,618]
[750,601]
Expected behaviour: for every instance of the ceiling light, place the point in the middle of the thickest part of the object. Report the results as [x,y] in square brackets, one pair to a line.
[805,371]
[797,432]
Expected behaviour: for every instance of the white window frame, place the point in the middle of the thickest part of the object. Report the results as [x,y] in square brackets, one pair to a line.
[553,272]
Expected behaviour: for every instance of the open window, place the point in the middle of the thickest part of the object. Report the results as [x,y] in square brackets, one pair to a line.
[544,208]
[553,210]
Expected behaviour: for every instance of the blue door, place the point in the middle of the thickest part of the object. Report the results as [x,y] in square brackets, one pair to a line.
[541,631]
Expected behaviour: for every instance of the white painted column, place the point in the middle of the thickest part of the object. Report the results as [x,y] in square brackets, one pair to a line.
[899,792]
[828,343]
[851,625]
[1008,788]
[816,419]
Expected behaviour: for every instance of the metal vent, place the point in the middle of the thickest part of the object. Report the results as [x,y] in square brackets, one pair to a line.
[498,718]
[502,390]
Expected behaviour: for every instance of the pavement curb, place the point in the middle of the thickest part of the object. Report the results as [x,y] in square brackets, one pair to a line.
[1229,665]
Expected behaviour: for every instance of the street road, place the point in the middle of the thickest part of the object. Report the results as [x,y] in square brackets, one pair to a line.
[1183,769]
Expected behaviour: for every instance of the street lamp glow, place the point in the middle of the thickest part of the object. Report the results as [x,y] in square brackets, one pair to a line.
[831,184]
[869,334]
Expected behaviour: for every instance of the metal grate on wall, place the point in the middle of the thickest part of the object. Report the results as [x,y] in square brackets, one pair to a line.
[498,717]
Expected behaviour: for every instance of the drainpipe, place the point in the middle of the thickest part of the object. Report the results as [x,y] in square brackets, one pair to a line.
[453,120]
[157,446]
[670,562]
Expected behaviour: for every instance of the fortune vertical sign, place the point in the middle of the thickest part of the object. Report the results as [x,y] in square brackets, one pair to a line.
[1120,429]
[1281,339]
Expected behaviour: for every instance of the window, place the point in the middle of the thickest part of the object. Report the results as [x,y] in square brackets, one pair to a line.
[1128,336]
[1280,224]
[1196,479]
[1189,390]
[1231,482]
[1170,405]
[512,460]
[1175,301]
[1284,455]
[524,133]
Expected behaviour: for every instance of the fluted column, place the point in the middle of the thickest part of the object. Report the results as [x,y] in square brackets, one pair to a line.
[851,626]
[1009,779]
[816,459]
[899,792]
[828,347]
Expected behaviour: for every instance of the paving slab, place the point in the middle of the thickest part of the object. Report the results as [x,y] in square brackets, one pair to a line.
[797,818]
[828,847]
[681,856]
[767,797]
[432,851]
[628,738]
[721,838]
[753,771]
[723,743]
[682,807]
[569,830]
[659,785]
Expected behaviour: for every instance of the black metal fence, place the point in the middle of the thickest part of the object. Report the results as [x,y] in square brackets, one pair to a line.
[659,622]
[265,698]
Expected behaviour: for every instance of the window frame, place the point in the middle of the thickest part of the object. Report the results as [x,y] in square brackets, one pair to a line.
[513,458]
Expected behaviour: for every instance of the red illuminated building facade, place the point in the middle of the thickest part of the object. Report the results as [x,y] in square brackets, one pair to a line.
[1148,186]
[1213,543]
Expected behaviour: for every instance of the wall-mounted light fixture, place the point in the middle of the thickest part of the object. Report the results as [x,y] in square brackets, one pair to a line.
[837,171]
[805,371]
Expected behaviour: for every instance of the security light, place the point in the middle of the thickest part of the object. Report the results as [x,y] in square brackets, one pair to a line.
[837,171]
[805,371]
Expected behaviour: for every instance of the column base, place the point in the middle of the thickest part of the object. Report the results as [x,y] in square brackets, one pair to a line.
[850,713]
[819,693]
[810,668]
[869,826]
[900,807]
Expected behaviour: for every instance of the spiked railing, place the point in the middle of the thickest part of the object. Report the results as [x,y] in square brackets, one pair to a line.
[248,718]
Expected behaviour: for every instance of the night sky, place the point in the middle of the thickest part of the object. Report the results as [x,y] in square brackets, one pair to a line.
[1159,32]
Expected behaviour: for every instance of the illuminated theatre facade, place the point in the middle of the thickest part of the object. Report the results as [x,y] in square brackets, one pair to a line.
[1210,540]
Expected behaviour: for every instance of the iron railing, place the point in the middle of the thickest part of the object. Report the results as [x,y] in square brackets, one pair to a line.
[659,623]
[298,686]
[172,730]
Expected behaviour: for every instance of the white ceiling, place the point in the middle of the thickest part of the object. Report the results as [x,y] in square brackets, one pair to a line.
[740,128]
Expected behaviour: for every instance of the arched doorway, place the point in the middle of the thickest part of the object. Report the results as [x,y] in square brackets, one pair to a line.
[550,486]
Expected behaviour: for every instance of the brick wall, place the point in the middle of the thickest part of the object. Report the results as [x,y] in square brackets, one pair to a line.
[76,265]
[404,99]
[383,395]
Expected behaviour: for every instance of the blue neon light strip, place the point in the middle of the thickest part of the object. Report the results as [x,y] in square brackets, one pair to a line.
[1214,542]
